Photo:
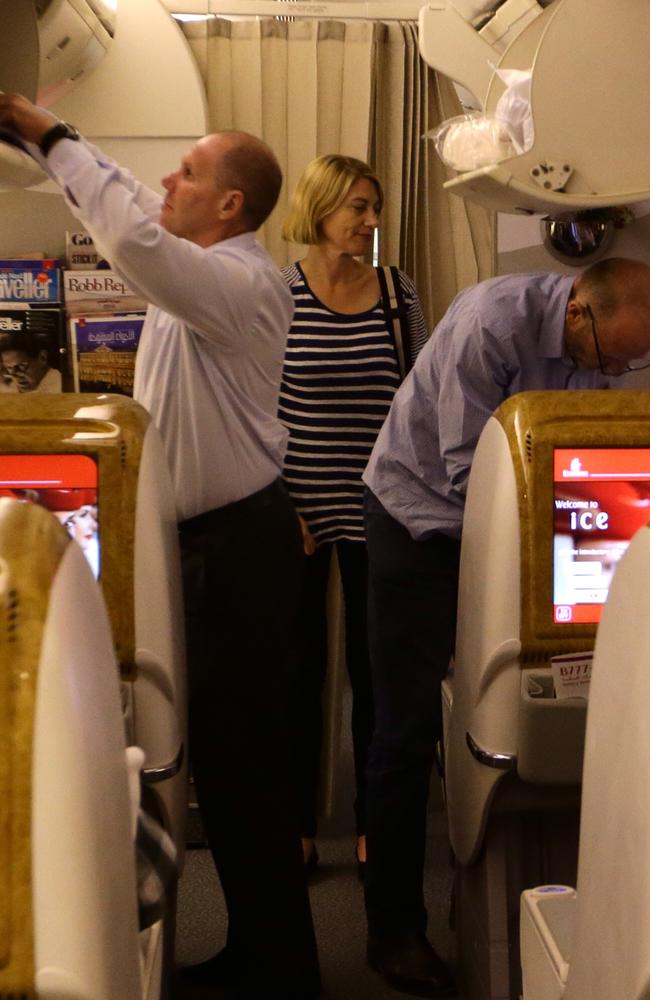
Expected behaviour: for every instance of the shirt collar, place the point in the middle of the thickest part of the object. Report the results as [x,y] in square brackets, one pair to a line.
[244,240]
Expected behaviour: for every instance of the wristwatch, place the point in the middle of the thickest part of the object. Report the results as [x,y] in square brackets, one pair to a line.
[62,130]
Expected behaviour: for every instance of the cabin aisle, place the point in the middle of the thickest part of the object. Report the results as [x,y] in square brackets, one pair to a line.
[336,898]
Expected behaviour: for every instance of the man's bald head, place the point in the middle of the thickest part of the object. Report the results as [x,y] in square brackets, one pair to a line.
[615,282]
[245,163]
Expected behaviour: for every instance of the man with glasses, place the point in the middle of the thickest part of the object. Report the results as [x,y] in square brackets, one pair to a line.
[24,365]
[500,337]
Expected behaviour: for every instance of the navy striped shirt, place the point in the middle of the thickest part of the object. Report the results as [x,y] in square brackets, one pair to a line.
[339,378]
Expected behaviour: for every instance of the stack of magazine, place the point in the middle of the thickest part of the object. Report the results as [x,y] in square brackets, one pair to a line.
[32,326]
[105,319]
[73,328]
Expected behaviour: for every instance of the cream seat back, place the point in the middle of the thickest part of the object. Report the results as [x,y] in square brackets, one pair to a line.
[68,897]
[594,943]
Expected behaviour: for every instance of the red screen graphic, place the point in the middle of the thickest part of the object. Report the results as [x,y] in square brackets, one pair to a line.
[66,485]
[601,498]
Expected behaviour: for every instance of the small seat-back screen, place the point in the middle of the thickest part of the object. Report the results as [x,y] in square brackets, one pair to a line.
[65,484]
[601,497]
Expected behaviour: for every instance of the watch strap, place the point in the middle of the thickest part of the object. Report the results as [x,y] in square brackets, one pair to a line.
[62,130]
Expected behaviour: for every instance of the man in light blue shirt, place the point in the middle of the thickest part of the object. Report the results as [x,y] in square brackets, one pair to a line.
[503,336]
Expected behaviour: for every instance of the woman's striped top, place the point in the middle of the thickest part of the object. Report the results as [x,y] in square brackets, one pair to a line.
[340,375]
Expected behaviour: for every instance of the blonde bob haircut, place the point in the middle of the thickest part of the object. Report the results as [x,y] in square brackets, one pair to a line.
[321,190]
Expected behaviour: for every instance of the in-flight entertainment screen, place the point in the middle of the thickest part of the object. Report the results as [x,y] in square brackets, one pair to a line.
[601,497]
[67,485]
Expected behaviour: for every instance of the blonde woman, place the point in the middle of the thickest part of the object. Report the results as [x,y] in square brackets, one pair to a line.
[349,347]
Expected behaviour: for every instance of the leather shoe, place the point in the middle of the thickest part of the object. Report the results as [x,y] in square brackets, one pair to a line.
[407,962]
[220,970]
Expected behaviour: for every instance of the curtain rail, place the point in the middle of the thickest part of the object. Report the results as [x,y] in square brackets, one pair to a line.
[367,10]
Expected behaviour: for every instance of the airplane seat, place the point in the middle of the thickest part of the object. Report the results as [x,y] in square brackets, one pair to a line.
[141,582]
[109,446]
[587,152]
[593,942]
[513,749]
[68,902]
[159,695]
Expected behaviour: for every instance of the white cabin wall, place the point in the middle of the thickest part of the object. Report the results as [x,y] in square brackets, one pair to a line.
[36,220]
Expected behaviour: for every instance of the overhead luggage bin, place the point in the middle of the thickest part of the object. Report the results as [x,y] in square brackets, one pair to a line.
[590,72]
[68,894]
[594,943]
[101,64]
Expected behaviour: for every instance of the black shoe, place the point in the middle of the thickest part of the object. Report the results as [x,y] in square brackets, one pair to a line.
[408,963]
[220,970]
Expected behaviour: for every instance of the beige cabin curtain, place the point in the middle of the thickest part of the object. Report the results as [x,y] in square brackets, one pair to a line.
[303,86]
[443,242]
[310,87]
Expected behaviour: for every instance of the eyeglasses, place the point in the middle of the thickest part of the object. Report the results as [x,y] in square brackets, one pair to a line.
[630,366]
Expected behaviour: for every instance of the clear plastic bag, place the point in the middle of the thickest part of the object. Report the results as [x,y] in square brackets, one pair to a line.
[473,140]
[513,107]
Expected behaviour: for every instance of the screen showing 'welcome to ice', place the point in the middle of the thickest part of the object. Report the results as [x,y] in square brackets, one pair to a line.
[601,497]
[66,485]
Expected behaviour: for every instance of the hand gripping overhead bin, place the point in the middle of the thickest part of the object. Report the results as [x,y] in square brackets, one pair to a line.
[588,97]
[595,943]
[559,484]
[46,49]
[97,462]
[101,64]
[68,897]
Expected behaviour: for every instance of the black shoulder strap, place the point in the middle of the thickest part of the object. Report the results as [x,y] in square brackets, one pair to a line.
[396,315]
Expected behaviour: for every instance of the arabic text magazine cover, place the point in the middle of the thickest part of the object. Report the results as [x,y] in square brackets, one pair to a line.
[103,350]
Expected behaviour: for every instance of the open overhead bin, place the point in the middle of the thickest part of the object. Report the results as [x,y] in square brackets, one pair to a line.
[589,80]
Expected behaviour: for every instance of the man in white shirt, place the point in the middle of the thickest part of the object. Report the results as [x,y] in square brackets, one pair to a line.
[208,370]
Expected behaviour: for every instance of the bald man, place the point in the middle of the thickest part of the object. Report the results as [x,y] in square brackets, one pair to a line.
[502,336]
[208,370]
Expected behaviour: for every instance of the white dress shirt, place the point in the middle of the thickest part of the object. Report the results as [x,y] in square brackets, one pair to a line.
[210,357]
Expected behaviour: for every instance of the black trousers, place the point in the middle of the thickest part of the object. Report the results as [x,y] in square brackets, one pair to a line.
[412,597]
[310,665]
[241,576]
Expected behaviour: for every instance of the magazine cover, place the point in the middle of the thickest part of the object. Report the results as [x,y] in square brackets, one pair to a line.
[101,291]
[80,251]
[103,350]
[32,355]
[38,262]
[38,285]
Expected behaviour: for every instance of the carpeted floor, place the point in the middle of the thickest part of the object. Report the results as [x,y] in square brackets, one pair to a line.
[336,898]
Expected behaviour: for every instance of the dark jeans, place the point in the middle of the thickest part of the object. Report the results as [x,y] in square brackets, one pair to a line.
[310,664]
[241,574]
[412,596]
